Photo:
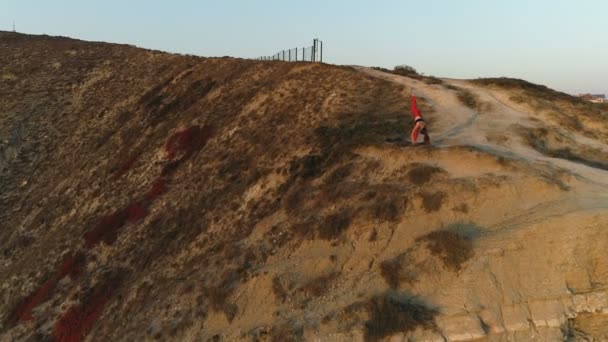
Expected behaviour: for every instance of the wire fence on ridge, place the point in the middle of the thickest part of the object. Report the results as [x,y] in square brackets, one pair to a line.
[312,53]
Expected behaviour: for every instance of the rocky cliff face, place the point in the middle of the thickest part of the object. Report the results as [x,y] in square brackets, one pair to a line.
[155,196]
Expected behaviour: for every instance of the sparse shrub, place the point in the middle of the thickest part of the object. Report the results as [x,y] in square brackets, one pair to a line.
[334,225]
[432,201]
[339,174]
[432,80]
[468,99]
[319,286]
[310,166]
[390,315]
[396,271]
[338,141]
[422,174]
[405,70]
[279,290]
[388,208]
[452,248]
[287,333]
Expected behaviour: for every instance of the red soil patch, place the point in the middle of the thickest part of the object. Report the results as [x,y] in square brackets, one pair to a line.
[187,141]
[109,226]
[159,188]
[136,212]
[78,321]
[72,265]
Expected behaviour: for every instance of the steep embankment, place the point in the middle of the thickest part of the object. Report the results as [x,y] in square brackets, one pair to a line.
[155,196]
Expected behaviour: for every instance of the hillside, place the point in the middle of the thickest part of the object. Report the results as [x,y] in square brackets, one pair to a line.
[151,196]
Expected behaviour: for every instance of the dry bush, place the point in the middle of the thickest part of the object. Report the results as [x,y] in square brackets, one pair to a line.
[408,71]
[319,286]
[422,174]
[390,315]
[279,290]
[468,99]
[432,201]
[452,248]
[388,207]
[287,333]
[397,271]
[335,224]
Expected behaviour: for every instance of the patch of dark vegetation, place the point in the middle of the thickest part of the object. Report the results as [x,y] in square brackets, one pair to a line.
[298,194]
[422,174]
[306,228]
[541,140]
[373,236]
[390,315]
[468,99]
[408,71]
[339,175]
[287,333]
[432,201]
[388,207]
[568,154]
[278,288]
[319,286]
[398,271]
[536,90]
[337,143]
[454,248]
[334,225]
[307,167]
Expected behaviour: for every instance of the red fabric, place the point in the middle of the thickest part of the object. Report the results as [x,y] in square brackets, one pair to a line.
[415,110]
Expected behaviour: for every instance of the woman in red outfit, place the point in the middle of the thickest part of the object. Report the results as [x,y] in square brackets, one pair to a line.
[419,124]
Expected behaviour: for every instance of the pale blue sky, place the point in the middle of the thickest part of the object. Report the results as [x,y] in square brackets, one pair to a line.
[560,43]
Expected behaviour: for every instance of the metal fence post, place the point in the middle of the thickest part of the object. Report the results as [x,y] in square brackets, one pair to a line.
[321,51]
